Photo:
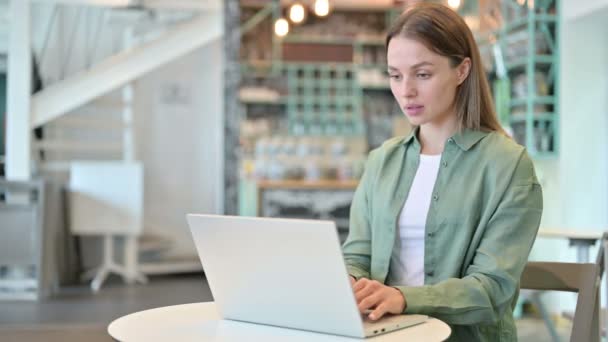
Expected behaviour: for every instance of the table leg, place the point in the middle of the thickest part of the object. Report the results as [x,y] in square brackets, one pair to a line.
[545,315]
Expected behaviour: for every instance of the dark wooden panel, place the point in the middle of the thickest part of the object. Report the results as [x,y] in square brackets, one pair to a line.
[317,52]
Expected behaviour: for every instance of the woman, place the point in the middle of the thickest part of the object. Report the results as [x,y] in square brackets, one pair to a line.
[443,220]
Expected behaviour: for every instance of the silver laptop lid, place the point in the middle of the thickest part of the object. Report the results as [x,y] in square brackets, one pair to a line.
[281,272]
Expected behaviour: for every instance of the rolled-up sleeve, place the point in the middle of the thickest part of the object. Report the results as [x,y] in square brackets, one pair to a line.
[357,247]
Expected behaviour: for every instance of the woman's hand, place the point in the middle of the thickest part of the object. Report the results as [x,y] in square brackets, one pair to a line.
[375,296]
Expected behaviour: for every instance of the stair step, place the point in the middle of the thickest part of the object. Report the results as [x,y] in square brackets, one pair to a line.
[63,165]
[91,123]
[77,146]
[109,102]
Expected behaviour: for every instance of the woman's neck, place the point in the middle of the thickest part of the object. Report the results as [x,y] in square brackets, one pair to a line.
[433,137]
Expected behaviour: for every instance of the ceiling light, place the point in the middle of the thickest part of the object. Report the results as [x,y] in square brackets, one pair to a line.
[321,7]
[454,4]
[297,13]
[281,27]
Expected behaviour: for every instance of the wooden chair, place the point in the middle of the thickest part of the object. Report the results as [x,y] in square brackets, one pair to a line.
[583,278]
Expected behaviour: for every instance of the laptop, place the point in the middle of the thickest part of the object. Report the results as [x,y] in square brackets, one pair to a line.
[283,272]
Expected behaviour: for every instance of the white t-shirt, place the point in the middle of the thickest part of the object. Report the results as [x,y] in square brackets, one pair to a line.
[407,259]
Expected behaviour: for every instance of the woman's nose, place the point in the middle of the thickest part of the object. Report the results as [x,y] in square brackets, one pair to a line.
[408,90]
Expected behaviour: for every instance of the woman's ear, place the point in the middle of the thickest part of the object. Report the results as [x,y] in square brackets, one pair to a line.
[463,70]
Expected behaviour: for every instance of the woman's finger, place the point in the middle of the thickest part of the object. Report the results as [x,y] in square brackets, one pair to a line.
[363,293]
[361,283]
[369,302]
[379,311]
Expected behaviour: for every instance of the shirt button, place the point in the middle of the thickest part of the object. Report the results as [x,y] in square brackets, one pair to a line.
[445,164]
[450,140]
[430,273]
[430,234]
[435,198]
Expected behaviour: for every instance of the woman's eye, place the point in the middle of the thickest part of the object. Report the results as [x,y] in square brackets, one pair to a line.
[423,75]
[394,77]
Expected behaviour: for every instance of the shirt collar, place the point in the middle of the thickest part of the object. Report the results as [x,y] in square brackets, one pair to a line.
[413,135]
[465,139]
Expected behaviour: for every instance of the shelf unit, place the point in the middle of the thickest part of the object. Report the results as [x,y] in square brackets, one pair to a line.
[320,97]
[329,75]
[325,200]
[525,96]
[323,100]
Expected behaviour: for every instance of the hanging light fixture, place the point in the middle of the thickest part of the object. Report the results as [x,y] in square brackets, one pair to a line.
[321,8]
[297,13]
[281,27]
[454,4]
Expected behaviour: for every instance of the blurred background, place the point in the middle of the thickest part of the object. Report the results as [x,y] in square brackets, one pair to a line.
[119,117]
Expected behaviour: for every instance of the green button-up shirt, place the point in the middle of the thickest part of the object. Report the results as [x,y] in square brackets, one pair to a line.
[483,218]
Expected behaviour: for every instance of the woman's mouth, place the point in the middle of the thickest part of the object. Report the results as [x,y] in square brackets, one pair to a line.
[414,110]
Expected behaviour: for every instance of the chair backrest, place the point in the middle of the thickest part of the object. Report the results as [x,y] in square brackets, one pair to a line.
[584,278]
[106,198]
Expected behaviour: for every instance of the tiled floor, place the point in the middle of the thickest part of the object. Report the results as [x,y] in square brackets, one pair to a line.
[78,315]
[534,330]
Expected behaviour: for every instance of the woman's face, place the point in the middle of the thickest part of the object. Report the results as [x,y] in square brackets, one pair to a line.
[423,82]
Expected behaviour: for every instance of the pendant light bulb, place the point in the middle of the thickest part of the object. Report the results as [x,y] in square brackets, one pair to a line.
[321,8]
[297,13]
[454,4]
[281,27]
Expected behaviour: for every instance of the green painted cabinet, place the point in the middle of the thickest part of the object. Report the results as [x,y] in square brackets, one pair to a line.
[525,57]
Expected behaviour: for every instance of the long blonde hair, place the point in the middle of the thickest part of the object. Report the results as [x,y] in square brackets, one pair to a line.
[444,32]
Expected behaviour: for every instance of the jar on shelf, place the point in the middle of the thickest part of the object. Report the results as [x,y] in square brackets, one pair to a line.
[261,147]
[261,168]
[338,148]
[312,168]
[328,167]
[303,148]
[276,169]
[345,169]
[293,168]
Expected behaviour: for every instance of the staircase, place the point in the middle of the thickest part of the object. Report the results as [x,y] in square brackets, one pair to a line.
[102,129]
[88,114]
[88,58]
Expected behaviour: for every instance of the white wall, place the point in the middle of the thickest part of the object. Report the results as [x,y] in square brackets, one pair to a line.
[575,186]
[574,9]
[4,25]
[584,126]
[180,113]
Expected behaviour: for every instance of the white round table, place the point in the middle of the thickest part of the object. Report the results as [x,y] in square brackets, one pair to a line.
[201,322]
